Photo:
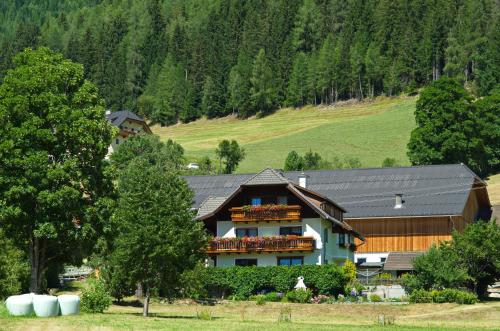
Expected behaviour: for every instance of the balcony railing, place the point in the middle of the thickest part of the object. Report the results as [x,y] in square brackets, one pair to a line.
[261,244]
[265,213]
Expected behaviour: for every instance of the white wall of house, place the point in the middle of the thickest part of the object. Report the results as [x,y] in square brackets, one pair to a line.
[118,140]
[327,249]
[370,257]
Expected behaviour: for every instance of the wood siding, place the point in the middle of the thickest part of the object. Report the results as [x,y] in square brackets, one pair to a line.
[404,234]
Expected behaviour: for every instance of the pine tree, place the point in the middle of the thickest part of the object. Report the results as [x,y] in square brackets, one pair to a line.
[306,33]
[210,104]
[297,88]
[262,89]
[171,92]
[238,89]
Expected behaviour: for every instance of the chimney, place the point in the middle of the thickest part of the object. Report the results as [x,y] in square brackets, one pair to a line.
[303,180]
[399,201]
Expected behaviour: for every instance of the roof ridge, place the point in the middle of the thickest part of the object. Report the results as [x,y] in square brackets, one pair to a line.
[277,174]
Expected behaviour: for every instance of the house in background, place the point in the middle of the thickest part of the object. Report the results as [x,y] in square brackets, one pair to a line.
[129,124]
[401,210]
[269,220]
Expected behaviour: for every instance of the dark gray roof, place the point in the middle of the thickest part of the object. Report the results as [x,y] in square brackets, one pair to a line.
[400,261]
[209,205]
[427,190]
[118,117]
[267,176]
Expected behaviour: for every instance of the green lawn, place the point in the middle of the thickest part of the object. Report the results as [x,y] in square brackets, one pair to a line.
[494,189]
[249,316]
[370,131]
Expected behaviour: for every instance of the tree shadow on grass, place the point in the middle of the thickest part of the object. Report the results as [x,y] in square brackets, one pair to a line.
[155,315]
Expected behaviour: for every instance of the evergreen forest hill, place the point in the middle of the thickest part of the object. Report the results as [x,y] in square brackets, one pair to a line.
[180,60]
[368,131]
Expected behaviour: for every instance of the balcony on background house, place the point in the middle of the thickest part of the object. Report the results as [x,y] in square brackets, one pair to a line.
[265,213]
[261,244]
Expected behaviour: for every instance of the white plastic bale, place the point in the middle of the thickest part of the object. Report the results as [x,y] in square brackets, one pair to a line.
[45,305]
[69,304]
[20,305]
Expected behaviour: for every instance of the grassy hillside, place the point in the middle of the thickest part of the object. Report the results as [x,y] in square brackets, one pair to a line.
[494,189]
[370,131]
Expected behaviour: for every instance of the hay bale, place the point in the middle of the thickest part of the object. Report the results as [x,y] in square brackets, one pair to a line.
[69,304]
[20,305]
[45,305]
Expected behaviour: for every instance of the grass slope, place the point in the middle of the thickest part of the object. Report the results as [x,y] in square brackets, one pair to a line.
[494,189]
[370,131]
[249,316]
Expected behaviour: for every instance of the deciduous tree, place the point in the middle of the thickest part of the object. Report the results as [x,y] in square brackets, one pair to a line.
[53,139]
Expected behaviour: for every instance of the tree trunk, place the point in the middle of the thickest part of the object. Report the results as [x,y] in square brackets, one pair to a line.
[360,87]
[37,264]
[145,311]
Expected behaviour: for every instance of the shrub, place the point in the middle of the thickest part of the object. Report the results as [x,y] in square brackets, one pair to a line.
[14,269]
[299,296]
[273,297]
[446,295]
[420,296]
[375,298]
[260,300]
[320,299]
[242,282]
[94,297]
[458,296]
[341,298]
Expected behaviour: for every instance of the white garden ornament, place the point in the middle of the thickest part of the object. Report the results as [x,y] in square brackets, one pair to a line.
[300,284]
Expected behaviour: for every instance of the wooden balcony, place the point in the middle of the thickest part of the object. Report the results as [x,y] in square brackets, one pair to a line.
[265,213]
[261,245]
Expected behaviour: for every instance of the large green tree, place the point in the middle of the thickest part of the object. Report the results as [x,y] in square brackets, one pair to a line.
[53,139]
[450,129]
[158,237]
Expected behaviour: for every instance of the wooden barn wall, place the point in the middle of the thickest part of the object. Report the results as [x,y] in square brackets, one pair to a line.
[404,234]
[471,207]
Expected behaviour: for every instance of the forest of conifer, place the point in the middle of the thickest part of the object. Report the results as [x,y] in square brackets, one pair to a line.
[178,60]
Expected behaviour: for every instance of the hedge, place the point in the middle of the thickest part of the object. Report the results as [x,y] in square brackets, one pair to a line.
[242,282]
[446,295]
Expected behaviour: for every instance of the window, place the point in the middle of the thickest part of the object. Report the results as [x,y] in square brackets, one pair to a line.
[256,201]
[325,235]
[341,239]
[246,232]
[117,141]
[382,259]
[245,262]
[282,200]
[361,261]
[290,231]
[289,261]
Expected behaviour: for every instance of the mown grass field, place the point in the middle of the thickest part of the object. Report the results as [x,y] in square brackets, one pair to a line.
[249,316]
[494,189]
[370,131]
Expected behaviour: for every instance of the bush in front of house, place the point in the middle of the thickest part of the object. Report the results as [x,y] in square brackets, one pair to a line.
[375,298]
[242,282]
[299,296]
[95,298]
[446,295]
